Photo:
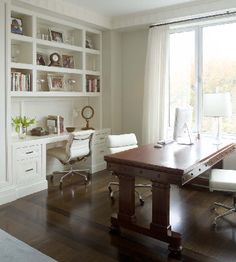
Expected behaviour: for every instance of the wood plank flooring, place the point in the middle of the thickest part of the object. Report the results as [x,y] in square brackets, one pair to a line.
[73,224]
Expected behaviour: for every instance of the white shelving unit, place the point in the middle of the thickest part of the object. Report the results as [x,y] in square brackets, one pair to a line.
[78,47]
[36,95]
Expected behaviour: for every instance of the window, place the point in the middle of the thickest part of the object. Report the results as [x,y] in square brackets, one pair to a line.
[203,60]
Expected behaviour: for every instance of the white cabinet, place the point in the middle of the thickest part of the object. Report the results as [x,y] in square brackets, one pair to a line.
[99,149]
[27,168]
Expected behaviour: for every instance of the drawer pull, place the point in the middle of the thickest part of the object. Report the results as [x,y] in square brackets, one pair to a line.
[101,138]
[28,170]
[102,151]
[29,152]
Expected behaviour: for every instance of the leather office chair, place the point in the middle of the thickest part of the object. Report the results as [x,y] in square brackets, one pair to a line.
[119,143]
[77,149]
[223,180]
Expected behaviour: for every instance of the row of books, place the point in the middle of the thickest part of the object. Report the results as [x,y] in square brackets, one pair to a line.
[20,81]
[93,85]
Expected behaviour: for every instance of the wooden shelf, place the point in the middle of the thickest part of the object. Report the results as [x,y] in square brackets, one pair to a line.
[21,66]
[53,44]
[53,94]
[22,38]
[62,70]
[92,51]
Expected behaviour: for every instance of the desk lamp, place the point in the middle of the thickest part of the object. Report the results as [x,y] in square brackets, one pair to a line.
[217,105]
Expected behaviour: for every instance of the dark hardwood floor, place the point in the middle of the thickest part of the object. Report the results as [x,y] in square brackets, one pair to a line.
[73,224]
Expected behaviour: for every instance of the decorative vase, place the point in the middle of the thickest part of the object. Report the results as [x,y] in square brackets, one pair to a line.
[22,132]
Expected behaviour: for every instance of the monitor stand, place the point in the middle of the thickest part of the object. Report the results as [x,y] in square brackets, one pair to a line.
[188,139]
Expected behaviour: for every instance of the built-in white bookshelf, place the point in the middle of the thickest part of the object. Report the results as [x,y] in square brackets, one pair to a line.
[56,58]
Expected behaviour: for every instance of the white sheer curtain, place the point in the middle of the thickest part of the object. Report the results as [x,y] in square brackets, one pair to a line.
[155,110]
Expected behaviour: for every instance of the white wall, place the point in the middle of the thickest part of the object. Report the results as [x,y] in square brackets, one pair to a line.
[2,98]
[112,81]
[134,46]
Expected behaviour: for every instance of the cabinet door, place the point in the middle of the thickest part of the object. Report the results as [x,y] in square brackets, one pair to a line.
[28,170]
[28,163]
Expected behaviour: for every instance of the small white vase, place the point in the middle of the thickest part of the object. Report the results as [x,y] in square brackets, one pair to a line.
[22,132]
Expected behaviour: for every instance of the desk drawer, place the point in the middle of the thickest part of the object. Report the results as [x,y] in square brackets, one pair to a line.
[28,152]
[27,170]
[99,151]
[100,137]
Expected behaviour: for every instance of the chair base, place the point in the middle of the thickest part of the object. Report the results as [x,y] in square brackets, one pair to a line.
[71,172]
[111,193]
[230,209]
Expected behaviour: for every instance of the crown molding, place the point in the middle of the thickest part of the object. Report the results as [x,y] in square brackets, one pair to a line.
[167,14]
[70,10]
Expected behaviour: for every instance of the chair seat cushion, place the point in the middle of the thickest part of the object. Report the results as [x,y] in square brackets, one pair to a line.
[121,140]
[223,180]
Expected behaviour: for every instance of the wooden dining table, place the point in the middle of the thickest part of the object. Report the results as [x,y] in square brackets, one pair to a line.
[172,164]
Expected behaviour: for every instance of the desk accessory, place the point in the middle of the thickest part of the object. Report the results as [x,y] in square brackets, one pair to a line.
[70,129]
[21,124]
[39,131]
[217,105]
[87,113]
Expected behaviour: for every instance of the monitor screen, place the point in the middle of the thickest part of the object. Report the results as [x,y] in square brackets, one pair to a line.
[183,125]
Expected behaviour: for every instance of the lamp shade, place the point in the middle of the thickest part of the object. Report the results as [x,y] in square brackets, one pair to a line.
[217,105]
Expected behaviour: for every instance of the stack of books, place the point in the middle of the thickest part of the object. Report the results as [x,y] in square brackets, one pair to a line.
[93,85]
[20,81]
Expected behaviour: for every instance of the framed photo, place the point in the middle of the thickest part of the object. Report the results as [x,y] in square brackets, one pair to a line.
[40,59]
[16,25]
[68,61]
[56,36]
[55,82]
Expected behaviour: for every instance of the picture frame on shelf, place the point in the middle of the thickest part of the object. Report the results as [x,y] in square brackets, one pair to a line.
[56,36]
[55,82]
[16,25]
[41,59]
[68,61]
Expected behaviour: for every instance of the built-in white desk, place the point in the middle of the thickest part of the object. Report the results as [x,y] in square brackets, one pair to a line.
[29,159]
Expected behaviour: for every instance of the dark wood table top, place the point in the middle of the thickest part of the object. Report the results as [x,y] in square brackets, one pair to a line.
[171,158]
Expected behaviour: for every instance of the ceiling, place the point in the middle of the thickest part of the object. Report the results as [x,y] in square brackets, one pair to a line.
[113,8]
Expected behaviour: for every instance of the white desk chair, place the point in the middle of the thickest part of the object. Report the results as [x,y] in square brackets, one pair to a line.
[223,180]
[119,143]
[77,148]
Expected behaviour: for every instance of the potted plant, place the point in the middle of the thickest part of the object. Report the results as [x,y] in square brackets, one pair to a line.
[21,124]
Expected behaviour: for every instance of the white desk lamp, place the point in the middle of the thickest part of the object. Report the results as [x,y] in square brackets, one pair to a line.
[217,105]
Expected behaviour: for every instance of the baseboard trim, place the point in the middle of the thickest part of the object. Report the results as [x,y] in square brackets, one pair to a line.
[25,190]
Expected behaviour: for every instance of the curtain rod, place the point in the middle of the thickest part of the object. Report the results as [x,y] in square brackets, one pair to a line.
[193,19]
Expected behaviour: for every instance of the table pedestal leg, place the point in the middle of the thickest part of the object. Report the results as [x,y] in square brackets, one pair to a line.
[160,217]
[126,212]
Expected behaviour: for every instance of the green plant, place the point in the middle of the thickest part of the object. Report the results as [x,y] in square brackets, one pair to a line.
[22,121]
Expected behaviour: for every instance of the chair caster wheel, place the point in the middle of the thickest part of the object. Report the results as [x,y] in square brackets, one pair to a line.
[141,202]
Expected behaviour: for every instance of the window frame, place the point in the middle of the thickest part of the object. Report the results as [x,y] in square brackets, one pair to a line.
[198,63]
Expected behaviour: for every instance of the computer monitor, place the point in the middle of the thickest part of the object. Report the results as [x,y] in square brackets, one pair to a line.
[182,127]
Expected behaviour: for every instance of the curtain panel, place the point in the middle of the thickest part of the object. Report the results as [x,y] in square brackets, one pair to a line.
[156,86]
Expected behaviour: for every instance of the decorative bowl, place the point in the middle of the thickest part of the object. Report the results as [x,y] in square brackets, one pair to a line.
[70,129]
